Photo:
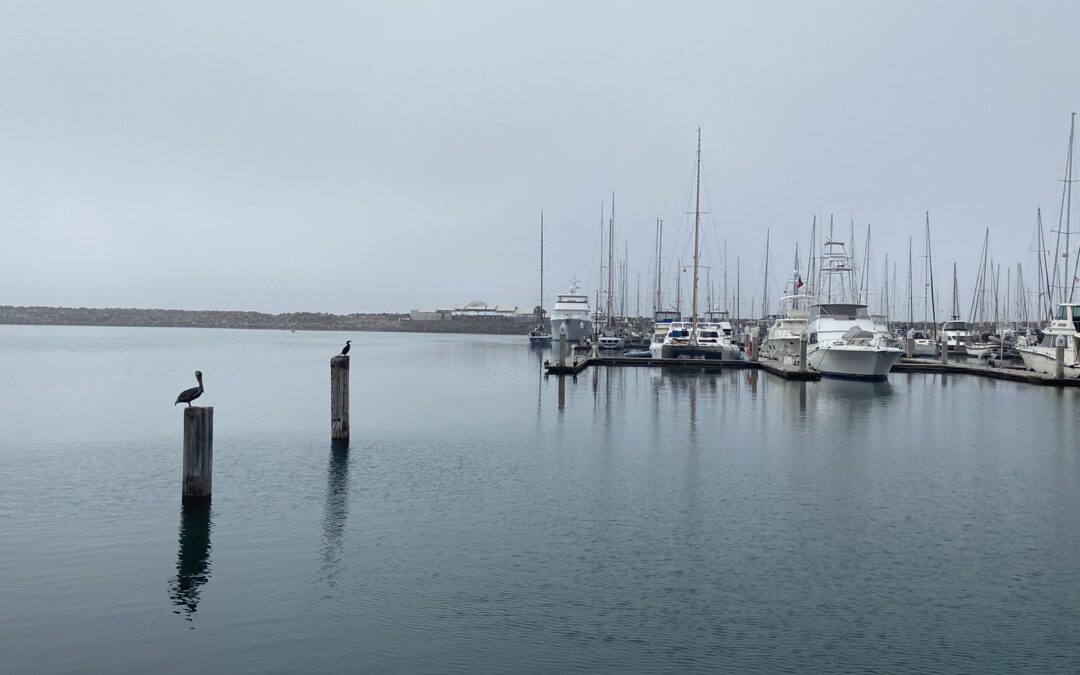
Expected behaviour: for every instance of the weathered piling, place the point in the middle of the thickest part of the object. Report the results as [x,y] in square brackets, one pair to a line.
[753,348]
[1059,357]
[802,352]
[910,343]
[944,349]
[198,452]
[339,398]
[562,346]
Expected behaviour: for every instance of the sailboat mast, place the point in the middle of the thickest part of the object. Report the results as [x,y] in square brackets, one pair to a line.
[765,295]
[611,266]
[659,257]
[697,228]
[1067,207]
[910,298]
[541,267]
[930,264]
[955,295]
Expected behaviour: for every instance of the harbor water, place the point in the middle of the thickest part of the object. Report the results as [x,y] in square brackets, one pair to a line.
[488,519]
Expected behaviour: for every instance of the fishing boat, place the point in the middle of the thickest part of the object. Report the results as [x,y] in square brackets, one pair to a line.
[539,336]
[782,339]
[1042,357]
[843,341]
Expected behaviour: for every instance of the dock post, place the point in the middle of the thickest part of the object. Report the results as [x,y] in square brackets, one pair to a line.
[339,398]
[802,352]
[595,348]
[753,348]
[911,343]
[198,453]
[944,350]
[1059,357]
[562,345]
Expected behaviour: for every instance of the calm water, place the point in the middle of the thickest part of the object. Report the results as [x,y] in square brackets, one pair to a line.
[488,519]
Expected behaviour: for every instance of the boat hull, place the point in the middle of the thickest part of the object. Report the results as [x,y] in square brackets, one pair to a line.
[708,352]
[851,362]
[1044,360]
[576,329]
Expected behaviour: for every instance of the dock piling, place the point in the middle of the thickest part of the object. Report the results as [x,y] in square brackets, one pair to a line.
[911,343]
[198,453]
[562,346]
[753,348]
[1059,357]
[944,349]
[339,398]
[802,352]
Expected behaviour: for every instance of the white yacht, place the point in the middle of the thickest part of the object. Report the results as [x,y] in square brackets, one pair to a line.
[924,344]
[843,340]
[957,335]
[781,341]
[1042,358]
[571,311]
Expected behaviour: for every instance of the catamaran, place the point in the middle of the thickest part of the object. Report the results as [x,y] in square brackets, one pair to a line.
[694,339]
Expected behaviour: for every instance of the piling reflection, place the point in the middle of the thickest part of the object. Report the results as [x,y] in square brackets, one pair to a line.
[336,511]
[193,559]
[562,392]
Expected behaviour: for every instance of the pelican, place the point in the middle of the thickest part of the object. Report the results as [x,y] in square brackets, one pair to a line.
[348,345]
[189,395]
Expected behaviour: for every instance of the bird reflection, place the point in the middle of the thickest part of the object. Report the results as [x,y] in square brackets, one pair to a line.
[193,559]
[336,511]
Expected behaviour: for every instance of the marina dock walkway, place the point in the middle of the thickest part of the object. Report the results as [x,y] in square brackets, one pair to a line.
[787,372]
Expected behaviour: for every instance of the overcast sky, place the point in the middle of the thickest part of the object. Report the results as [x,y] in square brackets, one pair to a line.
[358,156]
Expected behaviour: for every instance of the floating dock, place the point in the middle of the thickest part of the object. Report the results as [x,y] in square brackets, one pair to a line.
[788,372]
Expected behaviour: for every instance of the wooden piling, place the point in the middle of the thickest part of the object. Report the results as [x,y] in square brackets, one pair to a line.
[562,346]
[1059,357]
[910,343]
[944,349]
[753,348]
[339,398]
[802,353]
[198,453]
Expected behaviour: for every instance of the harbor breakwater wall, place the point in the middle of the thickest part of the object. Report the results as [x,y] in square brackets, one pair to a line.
[181,318]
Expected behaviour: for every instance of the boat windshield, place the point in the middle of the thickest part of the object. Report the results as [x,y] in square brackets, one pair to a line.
[1068,313]
[955,325]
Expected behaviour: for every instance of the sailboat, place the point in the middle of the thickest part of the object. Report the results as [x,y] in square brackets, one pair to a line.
[611,337]
[539,336]
[696,339]
[955,332]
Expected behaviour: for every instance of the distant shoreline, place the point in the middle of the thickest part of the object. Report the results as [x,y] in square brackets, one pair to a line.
[184,318]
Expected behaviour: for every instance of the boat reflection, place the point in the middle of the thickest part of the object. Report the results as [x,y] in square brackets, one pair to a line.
[193,559]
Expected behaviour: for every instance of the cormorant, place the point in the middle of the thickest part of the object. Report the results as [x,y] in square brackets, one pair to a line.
[348,345]
[189,395]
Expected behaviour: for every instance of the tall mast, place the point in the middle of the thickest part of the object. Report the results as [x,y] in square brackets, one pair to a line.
[955,295]
[765,295]
[738,289]
[697,227]
[910,299]
[930,265]
[659,257]
[726,307]
[1066,197]
[541,266]
[610,266]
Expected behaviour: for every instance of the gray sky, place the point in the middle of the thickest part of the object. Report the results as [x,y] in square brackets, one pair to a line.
[347,156]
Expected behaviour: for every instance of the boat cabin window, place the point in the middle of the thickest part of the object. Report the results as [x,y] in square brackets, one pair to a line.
[955,325]
[842,310]
[1068,313]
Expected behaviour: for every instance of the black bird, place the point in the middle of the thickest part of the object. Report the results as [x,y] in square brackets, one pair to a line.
[189,395]
[348,345]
